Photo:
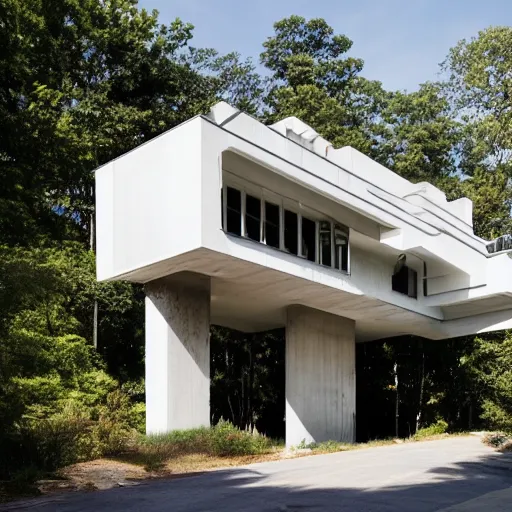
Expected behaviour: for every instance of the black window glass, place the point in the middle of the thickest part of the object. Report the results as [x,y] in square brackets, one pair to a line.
[291,224]
[252,217]
[325,243]
[234,211]
[405,281]
[272,225]
[308,238]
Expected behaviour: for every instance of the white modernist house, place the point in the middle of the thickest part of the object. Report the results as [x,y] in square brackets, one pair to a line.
[231,222]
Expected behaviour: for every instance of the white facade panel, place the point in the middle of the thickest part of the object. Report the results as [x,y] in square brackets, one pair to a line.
[153,197]
[162,202]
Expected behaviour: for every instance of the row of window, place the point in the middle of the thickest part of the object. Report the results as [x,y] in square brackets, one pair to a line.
[318,240]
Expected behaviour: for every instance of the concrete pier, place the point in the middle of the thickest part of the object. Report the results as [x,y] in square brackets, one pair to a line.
[320,377]
[177,353]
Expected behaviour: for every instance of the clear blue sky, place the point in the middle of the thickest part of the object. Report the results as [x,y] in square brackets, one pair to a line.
[401,41]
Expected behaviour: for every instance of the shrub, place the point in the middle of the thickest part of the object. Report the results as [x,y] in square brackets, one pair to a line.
[78,431]
[330,446]
[222,440]
[229,440]
[496,416]
[437,428]
[496,439]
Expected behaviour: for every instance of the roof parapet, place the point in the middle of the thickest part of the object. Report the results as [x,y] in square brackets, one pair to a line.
[357,163]
[300,132]
[222,112]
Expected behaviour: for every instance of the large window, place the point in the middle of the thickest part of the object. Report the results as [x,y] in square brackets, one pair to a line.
[284,224]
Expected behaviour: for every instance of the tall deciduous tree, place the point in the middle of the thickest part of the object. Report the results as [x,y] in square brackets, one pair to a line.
[313,79]
[479,84]
[418,135]
[83,82]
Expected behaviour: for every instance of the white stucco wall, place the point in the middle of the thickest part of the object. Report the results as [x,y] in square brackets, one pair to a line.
[149,202]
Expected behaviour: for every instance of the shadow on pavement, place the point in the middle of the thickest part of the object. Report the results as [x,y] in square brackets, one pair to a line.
[249,490]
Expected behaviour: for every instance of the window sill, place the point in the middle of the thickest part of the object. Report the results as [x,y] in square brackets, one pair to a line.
[283,251]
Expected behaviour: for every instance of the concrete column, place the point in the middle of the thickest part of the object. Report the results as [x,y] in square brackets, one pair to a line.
[320,377]
[177,353]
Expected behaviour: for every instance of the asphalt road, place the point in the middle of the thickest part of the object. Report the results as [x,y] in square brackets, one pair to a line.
[456,474]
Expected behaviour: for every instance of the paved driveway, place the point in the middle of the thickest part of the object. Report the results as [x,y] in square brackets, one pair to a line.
[458,474]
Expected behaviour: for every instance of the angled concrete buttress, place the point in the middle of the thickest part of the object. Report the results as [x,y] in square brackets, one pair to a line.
[230,222]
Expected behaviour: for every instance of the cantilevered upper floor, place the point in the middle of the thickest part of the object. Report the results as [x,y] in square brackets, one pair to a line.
[276,216]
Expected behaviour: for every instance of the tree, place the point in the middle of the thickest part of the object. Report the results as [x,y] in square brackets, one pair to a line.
[490,367]
[313,80]
[82,83]
[479,85]
[418,136]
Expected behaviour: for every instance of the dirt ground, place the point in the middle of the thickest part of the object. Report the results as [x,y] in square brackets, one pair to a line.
[106,473]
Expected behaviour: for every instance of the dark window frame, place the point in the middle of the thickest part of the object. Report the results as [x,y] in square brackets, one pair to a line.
[293,207]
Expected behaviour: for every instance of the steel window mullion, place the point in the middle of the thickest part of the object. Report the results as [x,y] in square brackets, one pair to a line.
[225,206]
[299,235]
[317,242]
[262,220]
[281,226]
[242,225]
[333,254]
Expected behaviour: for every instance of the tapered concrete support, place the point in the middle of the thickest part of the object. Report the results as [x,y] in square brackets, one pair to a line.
[320,377]
[177,353]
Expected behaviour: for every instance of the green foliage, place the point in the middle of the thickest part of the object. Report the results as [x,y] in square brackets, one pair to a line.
[76,430]
[418,135]
[436,429]
[221,440]
[480,85]
[324,447]
[491,367]
[313,79]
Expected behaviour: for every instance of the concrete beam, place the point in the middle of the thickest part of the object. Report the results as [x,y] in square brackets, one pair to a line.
[320,377]
[177,353]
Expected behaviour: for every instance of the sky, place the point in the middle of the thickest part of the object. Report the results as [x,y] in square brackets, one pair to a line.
[401,42]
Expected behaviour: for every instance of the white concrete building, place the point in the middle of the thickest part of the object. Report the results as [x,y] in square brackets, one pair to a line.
[231,222]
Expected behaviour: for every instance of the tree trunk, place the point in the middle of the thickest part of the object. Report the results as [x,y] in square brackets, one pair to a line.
[397,399]
[250,392]
[422,387]
[92,247]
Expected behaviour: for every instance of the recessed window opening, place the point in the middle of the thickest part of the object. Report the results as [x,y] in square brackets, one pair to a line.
[291,240]
[234,211]
[272,225]
[253,218]
[405,279]
[308,239]
[325,243]
[283,224]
